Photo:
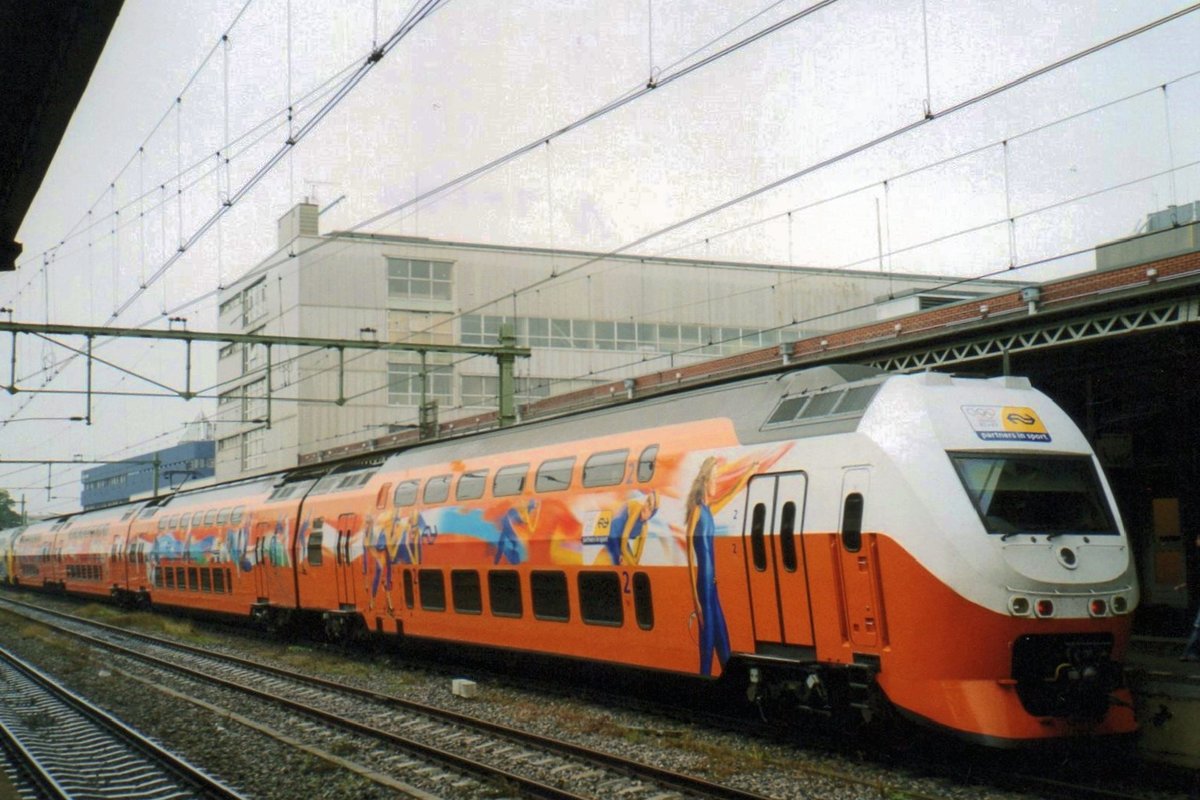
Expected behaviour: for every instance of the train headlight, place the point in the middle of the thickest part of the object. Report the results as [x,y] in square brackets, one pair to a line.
[1044,608]
[1019,606]
[1097,607]
[1119,604]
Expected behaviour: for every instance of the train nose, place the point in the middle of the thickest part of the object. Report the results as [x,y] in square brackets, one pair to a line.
[1075,563]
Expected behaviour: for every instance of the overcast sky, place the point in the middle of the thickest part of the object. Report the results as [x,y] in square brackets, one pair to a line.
[475,81]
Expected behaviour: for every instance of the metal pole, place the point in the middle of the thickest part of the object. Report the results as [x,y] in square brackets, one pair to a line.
[187,379]
[341,398]
[505,361]
[12,380]
[88,416]
[268,387]
[157,464]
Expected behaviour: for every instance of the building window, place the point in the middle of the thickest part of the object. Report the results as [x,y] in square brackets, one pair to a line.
[254,356]
[230,305]
[417,278]
[254,303]
[404,384]
[582,334]
[254,400]
[254,454]
[484,390]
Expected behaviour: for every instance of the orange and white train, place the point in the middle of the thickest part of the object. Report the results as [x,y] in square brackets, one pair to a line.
[834,538]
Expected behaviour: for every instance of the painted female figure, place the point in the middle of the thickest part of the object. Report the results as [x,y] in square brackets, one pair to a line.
[704,500]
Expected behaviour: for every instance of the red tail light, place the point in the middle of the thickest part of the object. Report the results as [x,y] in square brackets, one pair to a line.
[1098,607]
[1045,608]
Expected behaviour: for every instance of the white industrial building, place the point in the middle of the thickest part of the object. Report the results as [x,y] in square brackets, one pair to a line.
[588,318]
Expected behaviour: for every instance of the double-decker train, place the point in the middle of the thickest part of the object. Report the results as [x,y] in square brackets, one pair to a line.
[836,538]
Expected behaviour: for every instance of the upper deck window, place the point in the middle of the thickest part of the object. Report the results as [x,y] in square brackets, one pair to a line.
[1052,495]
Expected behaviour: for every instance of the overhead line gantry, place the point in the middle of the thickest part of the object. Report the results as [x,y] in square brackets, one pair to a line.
[505,354]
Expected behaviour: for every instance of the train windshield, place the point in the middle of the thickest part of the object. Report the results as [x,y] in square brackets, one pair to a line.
[1035,494]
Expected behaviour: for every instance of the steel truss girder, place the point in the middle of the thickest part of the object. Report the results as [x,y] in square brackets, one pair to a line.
[1051,333]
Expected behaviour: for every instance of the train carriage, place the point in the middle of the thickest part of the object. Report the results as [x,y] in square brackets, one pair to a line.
[37,559]
[192,549]
[8,564]
[837,539]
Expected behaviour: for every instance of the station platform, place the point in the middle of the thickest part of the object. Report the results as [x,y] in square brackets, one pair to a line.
[1166,697]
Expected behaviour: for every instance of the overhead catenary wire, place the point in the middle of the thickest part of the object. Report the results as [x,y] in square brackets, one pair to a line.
[942,114]
[891,251]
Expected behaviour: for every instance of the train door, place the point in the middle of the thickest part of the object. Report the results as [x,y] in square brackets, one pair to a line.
[775,562]
[857,559]
[262,560]
[347,582]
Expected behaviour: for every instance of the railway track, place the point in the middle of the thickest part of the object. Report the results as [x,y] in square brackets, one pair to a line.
[62,746]
[409,747]
[900,780]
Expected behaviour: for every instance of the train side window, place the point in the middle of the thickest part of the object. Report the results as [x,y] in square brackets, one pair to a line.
[549,590]
[316,553]
[218,580]
[437,489]
[504,593]
[852,512]
[169,577]
[180,579]
[223,516]
[381,497]
[787,535]
[408,588]
[645,467]
[471,485]
[433,589]
[236,515]
[162,524]
[555,475]
[465,591]
[605,469]
[510,480]
[600,598]
[210,517]
[758,543]
[206,580]
[406,493]
[193,579]
[172,522]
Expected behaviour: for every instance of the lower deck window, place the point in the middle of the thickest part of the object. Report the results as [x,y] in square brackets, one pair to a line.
[408,589]
[549,590]
[464,589]
[433,589]
[504,593]
[600,598]
[643,604]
